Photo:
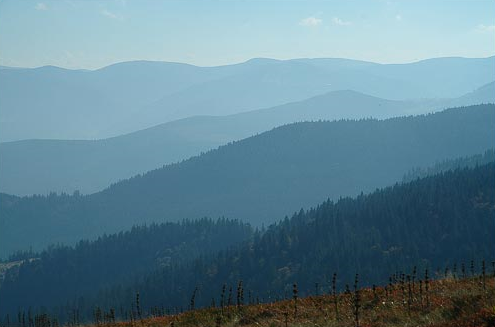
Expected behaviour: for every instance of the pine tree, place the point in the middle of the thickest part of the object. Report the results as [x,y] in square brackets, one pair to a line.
[295,297]
[357,301]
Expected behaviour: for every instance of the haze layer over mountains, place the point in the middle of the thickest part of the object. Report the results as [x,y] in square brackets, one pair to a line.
[52,112]
[291,134]
[259,179]
[56,103]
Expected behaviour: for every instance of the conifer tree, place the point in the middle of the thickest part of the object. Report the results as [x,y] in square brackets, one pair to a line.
[295,297]
[427,287]
[357,301]
[334,294]
[193,299]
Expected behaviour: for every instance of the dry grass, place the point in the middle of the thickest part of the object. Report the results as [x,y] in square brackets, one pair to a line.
[453,303]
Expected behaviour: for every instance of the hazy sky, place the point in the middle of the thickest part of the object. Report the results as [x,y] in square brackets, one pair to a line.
[93,33]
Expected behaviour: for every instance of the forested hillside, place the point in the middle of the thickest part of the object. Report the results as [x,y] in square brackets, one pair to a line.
[442,220]
[451,164]
[62,272]
[42,166]
[256,180]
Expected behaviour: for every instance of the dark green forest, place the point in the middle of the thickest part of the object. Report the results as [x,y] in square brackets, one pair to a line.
[444,220]
[63,272]
[257,180]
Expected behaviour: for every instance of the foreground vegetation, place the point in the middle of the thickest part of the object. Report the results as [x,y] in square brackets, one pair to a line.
[447,302]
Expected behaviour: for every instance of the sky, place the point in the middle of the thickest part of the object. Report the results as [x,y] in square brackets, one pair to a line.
[89,34]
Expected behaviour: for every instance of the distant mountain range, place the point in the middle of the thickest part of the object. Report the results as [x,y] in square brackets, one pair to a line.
[41,166]
[55,103]
[258,179]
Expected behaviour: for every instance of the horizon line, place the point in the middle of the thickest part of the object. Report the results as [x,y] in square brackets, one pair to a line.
[241,62]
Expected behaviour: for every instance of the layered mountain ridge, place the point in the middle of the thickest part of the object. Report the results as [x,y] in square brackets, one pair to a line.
[258,179]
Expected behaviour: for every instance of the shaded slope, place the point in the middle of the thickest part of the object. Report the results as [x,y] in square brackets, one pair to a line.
[485,94]
[434,222]
[67,272]
[42,166]
[450,164]
[258,179]
[439,221]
